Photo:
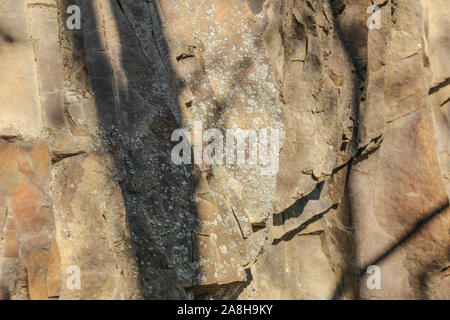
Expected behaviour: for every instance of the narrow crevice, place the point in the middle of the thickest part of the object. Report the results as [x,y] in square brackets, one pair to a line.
[57,157]
[291,234]
[438,87]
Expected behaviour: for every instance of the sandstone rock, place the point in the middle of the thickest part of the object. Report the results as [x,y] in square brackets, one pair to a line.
[91,226]
[88,183]
[395,207]
[297,269]
[317,97]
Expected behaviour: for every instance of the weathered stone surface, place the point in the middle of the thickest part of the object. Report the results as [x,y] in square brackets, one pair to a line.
[436,19]
[400,211]
[298,269]
[20,114]
[44,32]
[398,200]
[399,183]
[317,97]
[88,183]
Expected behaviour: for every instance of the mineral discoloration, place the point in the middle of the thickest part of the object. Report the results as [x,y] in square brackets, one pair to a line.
[86,118]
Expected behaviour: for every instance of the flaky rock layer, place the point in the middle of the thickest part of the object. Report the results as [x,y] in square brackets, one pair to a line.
[92,205]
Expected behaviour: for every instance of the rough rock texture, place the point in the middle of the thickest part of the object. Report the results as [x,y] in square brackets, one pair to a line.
[87,179]
[29,248]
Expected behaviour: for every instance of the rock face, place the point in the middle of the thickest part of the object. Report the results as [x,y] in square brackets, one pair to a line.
[348,199]
[28,227]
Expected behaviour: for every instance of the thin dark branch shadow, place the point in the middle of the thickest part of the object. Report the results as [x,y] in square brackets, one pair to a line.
[402,241]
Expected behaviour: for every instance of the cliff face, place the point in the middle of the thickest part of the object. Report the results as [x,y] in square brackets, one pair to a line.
[356,117]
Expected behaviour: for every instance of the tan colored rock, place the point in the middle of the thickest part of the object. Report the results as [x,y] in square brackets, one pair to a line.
[20,114]
[29,229]
[298,269]
[436,21]
[317,98]
[92,229]
[88,183]
[400,210]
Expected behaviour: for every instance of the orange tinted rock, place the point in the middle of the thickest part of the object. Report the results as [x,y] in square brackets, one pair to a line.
[92,230]
[400,210]
[24,173]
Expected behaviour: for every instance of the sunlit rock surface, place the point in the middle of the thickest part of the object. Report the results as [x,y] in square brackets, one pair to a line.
[88,187]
